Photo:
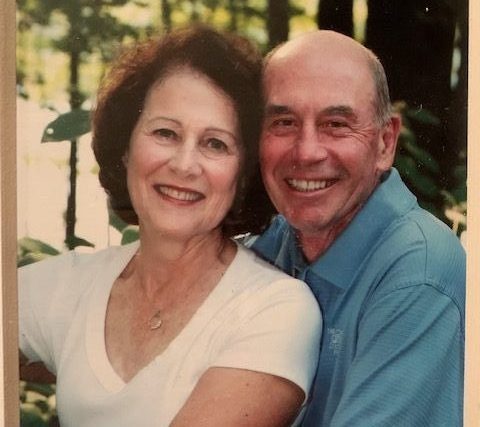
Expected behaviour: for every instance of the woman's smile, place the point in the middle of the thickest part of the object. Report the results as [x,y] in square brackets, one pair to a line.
[178,194]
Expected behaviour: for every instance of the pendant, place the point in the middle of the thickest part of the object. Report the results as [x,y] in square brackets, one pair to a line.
[155,321]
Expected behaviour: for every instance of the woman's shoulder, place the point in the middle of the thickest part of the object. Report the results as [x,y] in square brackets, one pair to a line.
[257,276]
[259,268]
[71,267]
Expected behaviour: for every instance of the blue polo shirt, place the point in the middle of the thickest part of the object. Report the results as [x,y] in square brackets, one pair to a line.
[392,292]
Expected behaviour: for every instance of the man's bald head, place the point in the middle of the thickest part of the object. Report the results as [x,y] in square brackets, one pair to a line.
[322,47]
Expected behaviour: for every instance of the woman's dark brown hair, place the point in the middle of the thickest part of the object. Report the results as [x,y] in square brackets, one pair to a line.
[231,63]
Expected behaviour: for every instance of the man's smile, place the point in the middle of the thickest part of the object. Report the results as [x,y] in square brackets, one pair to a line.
[307,185]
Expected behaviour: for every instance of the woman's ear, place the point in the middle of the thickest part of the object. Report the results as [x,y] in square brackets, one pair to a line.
[388,143]
[125,159]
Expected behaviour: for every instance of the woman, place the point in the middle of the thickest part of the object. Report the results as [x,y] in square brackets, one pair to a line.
[184,327]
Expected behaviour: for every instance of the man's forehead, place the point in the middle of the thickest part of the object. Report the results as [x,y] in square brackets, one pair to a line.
[320,43]
[319,54]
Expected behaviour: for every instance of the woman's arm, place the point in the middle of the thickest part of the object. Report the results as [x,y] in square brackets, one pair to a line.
[35,372]
[239,397]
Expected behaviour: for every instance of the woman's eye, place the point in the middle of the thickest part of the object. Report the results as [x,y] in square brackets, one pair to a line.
[216,145]
[165,133]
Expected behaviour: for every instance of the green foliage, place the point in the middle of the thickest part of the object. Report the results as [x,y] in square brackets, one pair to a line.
[38,405]
[422,173]
[73,242]
[32,250]
[67,126]
[129,232]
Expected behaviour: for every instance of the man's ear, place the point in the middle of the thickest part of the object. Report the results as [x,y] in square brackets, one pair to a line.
[388,143]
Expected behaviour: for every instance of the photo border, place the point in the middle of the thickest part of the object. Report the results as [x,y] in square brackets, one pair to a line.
[9,400]
[9,410]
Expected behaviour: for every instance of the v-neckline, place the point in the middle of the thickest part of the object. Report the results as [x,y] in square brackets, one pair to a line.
[96,316]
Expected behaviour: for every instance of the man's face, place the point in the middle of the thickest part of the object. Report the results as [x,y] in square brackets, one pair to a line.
[321,148]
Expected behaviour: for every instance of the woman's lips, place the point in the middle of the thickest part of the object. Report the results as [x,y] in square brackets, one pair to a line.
[180,194]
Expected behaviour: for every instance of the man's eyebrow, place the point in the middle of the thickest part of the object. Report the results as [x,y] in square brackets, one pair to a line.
[273,109]
[341,110]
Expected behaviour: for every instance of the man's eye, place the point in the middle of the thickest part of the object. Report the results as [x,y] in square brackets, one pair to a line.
[283,123]
[336,124]
[165,133]
[282,126]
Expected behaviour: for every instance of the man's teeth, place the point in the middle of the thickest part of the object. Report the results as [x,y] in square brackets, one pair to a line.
[307,185]
[188,196]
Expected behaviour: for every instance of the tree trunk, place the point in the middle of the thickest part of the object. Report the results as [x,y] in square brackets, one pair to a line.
[457,131]
[75,102]
[336,15]
[233,11]
[166,15]
[277,22]
[414,40]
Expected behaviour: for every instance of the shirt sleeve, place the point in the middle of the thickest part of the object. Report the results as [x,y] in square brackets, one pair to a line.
[41,318]
[408,366]
[278,333]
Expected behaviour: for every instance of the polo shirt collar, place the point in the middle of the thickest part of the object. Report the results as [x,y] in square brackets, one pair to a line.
[390,200]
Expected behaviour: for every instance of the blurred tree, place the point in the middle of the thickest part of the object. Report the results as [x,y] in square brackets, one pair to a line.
[336,15]
[277,21]
[414,39]
[166,15]
[90,27]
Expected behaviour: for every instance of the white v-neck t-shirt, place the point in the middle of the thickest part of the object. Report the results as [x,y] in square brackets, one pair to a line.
[256,318]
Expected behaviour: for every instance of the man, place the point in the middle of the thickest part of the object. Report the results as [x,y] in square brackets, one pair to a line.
[389,277]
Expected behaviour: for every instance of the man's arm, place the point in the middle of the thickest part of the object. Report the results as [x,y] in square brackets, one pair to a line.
[408,366]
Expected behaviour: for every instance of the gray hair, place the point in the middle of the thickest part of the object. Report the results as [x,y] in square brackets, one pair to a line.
[381,103]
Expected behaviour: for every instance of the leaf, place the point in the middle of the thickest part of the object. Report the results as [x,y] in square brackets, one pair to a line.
[46,390]
[75,241]
[29,245]
[30,418]
[129,235]
[422,183]
[116,222]
[68,126]
[422,156]
[30,258]
[422,115]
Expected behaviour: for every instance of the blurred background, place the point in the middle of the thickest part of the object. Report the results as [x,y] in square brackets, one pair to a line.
[64,47]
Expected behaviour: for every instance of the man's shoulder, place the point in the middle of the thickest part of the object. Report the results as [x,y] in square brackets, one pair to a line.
[418,249]
[420,232]
[275,234]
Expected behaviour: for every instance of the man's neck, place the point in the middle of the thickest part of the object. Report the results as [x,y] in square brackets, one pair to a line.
[314,246]
[316,242]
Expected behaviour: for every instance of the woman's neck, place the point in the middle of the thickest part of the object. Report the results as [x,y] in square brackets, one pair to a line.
[163,261]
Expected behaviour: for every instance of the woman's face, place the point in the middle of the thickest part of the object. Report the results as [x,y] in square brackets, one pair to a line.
[184,156]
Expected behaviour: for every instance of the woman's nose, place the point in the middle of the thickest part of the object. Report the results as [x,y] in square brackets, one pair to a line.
[185,160]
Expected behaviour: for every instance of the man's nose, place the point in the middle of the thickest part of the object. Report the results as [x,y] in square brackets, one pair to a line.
[308,147]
